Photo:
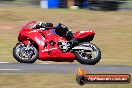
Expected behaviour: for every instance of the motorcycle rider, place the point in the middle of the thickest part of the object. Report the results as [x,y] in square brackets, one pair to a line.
[60,30]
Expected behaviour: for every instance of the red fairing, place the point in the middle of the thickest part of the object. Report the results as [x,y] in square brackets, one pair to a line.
[42,39]
[82,34]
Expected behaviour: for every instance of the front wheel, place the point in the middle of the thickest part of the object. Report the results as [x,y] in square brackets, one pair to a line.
[25,55]
[90,57]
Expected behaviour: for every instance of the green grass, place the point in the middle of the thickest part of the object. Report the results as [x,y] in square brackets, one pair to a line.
[126,4]
[113,29]
[19,2]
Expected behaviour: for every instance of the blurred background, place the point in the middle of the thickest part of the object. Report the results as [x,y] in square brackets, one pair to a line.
[74,4]
[110,19]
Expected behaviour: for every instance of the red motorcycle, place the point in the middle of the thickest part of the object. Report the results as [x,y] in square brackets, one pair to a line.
[46,45]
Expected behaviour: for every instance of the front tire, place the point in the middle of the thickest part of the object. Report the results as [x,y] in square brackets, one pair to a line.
[31,57]
[88,59]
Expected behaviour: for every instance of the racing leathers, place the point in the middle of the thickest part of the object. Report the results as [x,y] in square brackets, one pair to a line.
[60,30]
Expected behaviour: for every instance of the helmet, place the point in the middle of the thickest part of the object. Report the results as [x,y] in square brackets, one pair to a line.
[60,25]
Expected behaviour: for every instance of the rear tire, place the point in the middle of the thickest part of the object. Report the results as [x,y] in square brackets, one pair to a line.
[88,61]
[17,56]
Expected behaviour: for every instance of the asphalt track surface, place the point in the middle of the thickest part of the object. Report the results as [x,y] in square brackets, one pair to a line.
[61,68]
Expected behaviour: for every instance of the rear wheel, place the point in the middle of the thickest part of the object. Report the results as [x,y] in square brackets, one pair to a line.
[90,57]
[25,55]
